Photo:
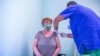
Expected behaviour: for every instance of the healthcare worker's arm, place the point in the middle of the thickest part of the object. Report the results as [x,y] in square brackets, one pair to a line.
[56,52]
[69,35]
[63,15]
[57,20]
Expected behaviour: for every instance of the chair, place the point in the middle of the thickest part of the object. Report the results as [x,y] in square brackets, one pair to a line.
[58,54]
[61,54]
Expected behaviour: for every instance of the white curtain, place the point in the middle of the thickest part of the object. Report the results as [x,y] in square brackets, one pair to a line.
[19,21]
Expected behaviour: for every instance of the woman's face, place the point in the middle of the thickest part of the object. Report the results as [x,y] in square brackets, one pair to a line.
[47,24]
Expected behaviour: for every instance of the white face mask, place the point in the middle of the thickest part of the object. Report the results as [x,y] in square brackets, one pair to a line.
[47,26]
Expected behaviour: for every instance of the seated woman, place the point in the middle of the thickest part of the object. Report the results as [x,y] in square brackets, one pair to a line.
[46,42]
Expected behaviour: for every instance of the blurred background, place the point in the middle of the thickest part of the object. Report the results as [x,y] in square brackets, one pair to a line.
[20,20]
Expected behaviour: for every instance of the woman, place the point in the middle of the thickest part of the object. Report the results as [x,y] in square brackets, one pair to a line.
[46,42]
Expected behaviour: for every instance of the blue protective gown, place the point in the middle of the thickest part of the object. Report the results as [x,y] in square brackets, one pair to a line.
[85,26]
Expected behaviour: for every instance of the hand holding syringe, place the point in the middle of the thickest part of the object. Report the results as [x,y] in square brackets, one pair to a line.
[69,35]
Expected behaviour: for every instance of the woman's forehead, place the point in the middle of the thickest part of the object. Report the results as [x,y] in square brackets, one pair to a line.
[47,21]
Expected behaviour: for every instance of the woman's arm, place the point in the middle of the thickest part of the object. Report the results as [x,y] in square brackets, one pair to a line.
[35,49]
[58,47]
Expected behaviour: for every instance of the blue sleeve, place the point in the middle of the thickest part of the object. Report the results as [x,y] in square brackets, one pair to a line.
[68,12]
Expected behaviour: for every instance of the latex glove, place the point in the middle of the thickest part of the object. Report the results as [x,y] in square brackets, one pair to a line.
[56,31]
[63,34]
[69,35]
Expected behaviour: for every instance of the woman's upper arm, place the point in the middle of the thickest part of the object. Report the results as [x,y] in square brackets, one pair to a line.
[58,41]
[36,39]
[35,42]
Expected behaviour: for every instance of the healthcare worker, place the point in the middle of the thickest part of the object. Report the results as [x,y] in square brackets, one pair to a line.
[85,26]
